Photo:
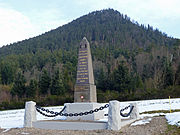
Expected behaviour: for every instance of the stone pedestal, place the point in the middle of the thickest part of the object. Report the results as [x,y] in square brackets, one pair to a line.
[30,114]
[135,112]
[83,107]
[114,120]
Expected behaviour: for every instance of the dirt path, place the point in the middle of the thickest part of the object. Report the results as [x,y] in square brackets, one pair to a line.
[157,126]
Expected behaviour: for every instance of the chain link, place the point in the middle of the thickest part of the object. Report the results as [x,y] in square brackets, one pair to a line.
[123,110]
[54,114]
[126,115]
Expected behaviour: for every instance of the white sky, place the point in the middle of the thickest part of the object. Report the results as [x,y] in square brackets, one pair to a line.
[22,19]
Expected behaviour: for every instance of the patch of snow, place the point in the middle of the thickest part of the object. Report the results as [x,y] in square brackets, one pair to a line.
[23,133]
[60,118]
[151,115]
[141,122]
[157,104]
[12,119]
[173,118]
[15,118]
[6,130]
[103,120]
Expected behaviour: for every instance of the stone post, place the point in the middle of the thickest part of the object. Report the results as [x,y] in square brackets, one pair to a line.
[30,114]
[135,112]
[114,120]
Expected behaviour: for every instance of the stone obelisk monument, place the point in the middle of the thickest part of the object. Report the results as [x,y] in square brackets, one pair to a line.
[85,90]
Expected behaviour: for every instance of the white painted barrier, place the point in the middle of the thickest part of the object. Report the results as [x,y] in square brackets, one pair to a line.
[114,119]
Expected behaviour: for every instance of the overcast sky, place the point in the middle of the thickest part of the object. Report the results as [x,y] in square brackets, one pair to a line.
[21,19]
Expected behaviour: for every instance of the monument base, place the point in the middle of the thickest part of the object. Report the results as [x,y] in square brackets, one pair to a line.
[88,91]
[84,107]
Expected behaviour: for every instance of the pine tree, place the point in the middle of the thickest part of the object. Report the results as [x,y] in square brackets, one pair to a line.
[67,80]
[57,86]
[0,79]
[101,81]
[121,79]
[177,75]
[32,89]
[169,76]
[19,87]
[44,82]
[7,73]
[139,82]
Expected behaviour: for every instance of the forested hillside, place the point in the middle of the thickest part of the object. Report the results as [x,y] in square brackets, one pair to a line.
[131,62]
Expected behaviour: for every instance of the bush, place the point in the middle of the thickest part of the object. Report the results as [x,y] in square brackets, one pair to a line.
[11,105]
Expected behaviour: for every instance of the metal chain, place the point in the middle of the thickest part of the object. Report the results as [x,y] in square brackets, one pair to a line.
[121,110]
[54,114]
[40,110]
[126,115]
[125,108]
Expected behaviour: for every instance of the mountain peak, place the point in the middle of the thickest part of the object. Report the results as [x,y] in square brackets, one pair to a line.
[105,27]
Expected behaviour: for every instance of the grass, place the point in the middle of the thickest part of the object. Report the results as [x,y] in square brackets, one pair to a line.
[161,111]
[172,130]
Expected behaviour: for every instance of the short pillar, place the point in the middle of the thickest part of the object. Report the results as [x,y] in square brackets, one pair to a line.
[114,120]
[135,112]
[30,114]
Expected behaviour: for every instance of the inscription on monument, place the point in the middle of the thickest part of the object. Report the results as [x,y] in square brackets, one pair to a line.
[82,72]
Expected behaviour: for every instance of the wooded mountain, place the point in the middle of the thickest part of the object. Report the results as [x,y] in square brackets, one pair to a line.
[131,61]
[106,27]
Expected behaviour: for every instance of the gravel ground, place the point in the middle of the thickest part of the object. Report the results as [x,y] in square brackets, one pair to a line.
[157,126]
